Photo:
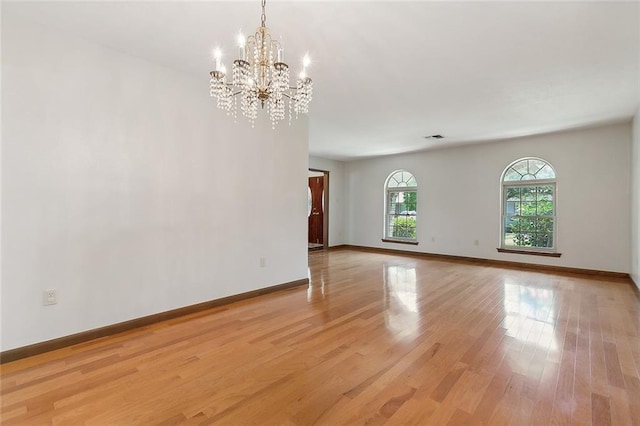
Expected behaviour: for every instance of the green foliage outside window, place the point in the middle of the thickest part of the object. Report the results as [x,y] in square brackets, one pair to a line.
[410,201]
[404,227]
[529,216]
[402,214]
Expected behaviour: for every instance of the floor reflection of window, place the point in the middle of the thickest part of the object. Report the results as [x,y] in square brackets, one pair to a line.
[400,298]
[316,289]
[530,314]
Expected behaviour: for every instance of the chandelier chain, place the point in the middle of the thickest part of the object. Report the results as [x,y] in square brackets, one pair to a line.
[263,17]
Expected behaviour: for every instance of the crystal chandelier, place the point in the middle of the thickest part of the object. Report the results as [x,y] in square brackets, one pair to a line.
[261,76]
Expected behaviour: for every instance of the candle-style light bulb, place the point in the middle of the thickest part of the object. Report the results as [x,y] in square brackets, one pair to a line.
[280,51]
[306,61]
[241,44]
[217,54]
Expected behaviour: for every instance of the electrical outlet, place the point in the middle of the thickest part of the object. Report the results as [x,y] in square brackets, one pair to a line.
[263,262]
[50,297]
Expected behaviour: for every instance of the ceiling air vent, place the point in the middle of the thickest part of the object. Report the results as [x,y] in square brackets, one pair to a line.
[434,137]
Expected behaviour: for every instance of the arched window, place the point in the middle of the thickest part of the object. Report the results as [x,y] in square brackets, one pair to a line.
[529,206]
[401,190]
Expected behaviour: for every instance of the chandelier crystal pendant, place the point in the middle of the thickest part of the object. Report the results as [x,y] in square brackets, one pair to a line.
[260,76]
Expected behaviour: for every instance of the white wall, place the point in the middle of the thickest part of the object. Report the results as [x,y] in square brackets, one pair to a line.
[459,197]
[635,201]
[337,197]
[125,189]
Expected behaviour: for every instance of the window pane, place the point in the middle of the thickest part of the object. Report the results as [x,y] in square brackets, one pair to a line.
[410,201]
[527,224]
[510,228]
[523,239]
[403,226]
[544,193]
[545,225]
[545,189]
[542,240]
[545,208]
[513,193]
[521,167]
[512,175]
[394,208]
[535,166]
[527,208]
[546,172]
[528,193]
[514,223]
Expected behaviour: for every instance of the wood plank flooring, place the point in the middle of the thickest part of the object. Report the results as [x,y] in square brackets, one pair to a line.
[374,339]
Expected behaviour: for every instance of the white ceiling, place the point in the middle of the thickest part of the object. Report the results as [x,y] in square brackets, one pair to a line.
[388,73]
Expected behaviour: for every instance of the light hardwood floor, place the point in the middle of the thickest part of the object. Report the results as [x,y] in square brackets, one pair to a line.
[374,339]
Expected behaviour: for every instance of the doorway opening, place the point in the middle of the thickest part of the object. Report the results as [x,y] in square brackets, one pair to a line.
[318,209]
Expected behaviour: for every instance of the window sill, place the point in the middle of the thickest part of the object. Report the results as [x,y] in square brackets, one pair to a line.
[413,243]
[531,252]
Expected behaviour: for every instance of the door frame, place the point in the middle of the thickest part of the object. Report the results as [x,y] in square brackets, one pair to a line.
[325,200]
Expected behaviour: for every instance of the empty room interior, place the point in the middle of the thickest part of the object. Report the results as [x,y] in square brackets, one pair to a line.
[320,212]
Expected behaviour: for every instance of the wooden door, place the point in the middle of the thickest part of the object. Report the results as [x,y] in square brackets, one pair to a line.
[316,215]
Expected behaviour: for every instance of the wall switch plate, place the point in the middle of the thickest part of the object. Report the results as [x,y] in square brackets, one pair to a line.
[263,262]
[50,297]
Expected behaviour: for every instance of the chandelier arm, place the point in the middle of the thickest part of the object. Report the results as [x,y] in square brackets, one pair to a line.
[231,86]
